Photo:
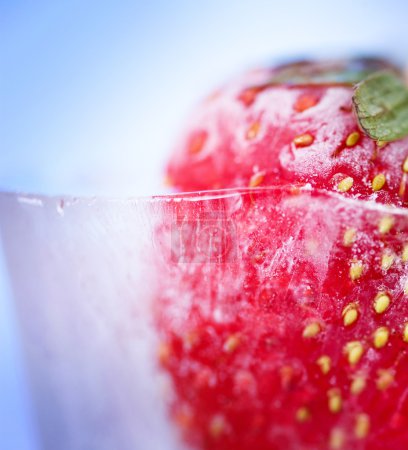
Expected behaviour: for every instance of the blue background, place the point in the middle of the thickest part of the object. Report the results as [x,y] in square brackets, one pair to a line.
[92,94]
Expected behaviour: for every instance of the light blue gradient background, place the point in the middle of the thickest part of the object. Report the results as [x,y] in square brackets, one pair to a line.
[93,92]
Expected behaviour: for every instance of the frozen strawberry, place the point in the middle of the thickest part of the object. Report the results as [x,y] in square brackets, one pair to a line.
[282,317]
[282,313]
[292,124]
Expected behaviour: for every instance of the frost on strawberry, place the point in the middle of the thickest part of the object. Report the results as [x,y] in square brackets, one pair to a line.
[295,124]
[283,311]
[283,320]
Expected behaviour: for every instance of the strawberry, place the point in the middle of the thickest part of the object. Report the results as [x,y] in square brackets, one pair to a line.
[291,124]
[282,312]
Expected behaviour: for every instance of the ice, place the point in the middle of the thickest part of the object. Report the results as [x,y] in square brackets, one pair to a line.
[82,290]
[100,285]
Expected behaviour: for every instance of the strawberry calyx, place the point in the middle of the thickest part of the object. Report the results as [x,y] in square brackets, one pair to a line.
[346,72]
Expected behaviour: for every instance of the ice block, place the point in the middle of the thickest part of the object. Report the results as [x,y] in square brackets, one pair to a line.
[81,280]
[268,318]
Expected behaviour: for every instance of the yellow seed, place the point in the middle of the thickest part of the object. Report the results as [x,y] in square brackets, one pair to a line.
[168,181]
[184,418]
[386,261]
[403,186]
[253,131]
[337,439]
[190,339]
[286,374]
[404,255]
[406,287]
[378,182]
[405,333]
[311,330]
[385,224]
[405,165]
[216,426]
[350,314]
[335,401]
[352,139]
[294,190]
[324,363]
[256,179]
[303,140]
[358,385]
[354,351]
[381,336]
[232,343]
[356,270]
[345,184]
[362,426]
[381,144]
[349,237]
[302,414]
[385,379]
[381,302]
[164,353]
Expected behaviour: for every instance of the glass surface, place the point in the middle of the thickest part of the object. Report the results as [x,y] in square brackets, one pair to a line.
[119,301]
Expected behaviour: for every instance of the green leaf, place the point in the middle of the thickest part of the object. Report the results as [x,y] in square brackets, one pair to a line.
[381,104]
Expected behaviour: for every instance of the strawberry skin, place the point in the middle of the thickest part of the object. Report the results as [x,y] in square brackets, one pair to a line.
[282,311]
[257,132]
[293,333]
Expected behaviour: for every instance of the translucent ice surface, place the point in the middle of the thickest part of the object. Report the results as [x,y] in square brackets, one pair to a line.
[81,285]
[211,319]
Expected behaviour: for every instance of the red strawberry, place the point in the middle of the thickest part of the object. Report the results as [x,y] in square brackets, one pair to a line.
[291,124]
[292,333]
[283,312]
